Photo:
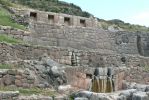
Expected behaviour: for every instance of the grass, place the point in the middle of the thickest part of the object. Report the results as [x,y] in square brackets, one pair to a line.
[30,91]
[6,3]
[146,68]
[50,5]
[8,39]
[5,20]
[118,24]
[5,66]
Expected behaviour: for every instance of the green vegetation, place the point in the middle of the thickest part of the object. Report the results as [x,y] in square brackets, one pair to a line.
[30,91]
[6,3]
[8,39]
[146,68]
[5,19]
[118,24]
[5,66]
[53,6]
[62,7]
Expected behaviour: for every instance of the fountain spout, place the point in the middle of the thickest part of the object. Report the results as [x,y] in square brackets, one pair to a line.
[102,81]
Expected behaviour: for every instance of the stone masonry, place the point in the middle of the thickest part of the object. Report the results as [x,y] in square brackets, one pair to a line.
[76,46]
[18,78]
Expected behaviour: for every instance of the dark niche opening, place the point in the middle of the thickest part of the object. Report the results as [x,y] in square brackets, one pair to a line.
[51,19]
[33,15]
[139,45]
[82,22]
[123,59]
[67,21]
[88,75]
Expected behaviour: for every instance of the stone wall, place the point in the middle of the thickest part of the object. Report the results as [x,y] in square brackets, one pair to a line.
[19,78]
[125,42]
[56,18]
[131,43]
[78,37]
[90,39]
[9,95]
[49,29]
[15,95]
[13,32]
[138,75]
[67,56]
[61,55]
[88,60]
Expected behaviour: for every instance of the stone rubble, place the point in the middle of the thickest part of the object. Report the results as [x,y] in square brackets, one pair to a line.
[131,94]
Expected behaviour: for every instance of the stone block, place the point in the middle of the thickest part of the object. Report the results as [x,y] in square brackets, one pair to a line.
[2,31]
[30,78]
[25,85]
[79,98]
[30,81]
[19,77]
[24,80]
[9,79]
[12,72]
[26,72]
[60,98]
[18,83]
[140,96]
[80,75]
[3,72]
[1,82]
[128,93]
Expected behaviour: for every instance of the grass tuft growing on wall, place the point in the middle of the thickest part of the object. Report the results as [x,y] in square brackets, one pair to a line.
[5,20]
[8,39]
[5,66]
[30,91]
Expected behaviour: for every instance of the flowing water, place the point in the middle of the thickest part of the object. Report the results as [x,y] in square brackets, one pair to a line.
[102,83]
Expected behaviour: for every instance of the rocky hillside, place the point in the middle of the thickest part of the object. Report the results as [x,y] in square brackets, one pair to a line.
[6,19]
[72,9]
[50,5]
[43,56]
[117,24]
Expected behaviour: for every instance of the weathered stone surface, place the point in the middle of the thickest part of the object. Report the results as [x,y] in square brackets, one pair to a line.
[9,95]
[74,46]
[35,97]
[64,88]
[60,98]
[122,97]
[19,77]
[3,71]
[140,96]
[128,93]
[9,79]
[1,82]
[16,78]
[26,72]
[25,85]
[12,72]
[131,94]
[138,87]
[80,98]
[18,83]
